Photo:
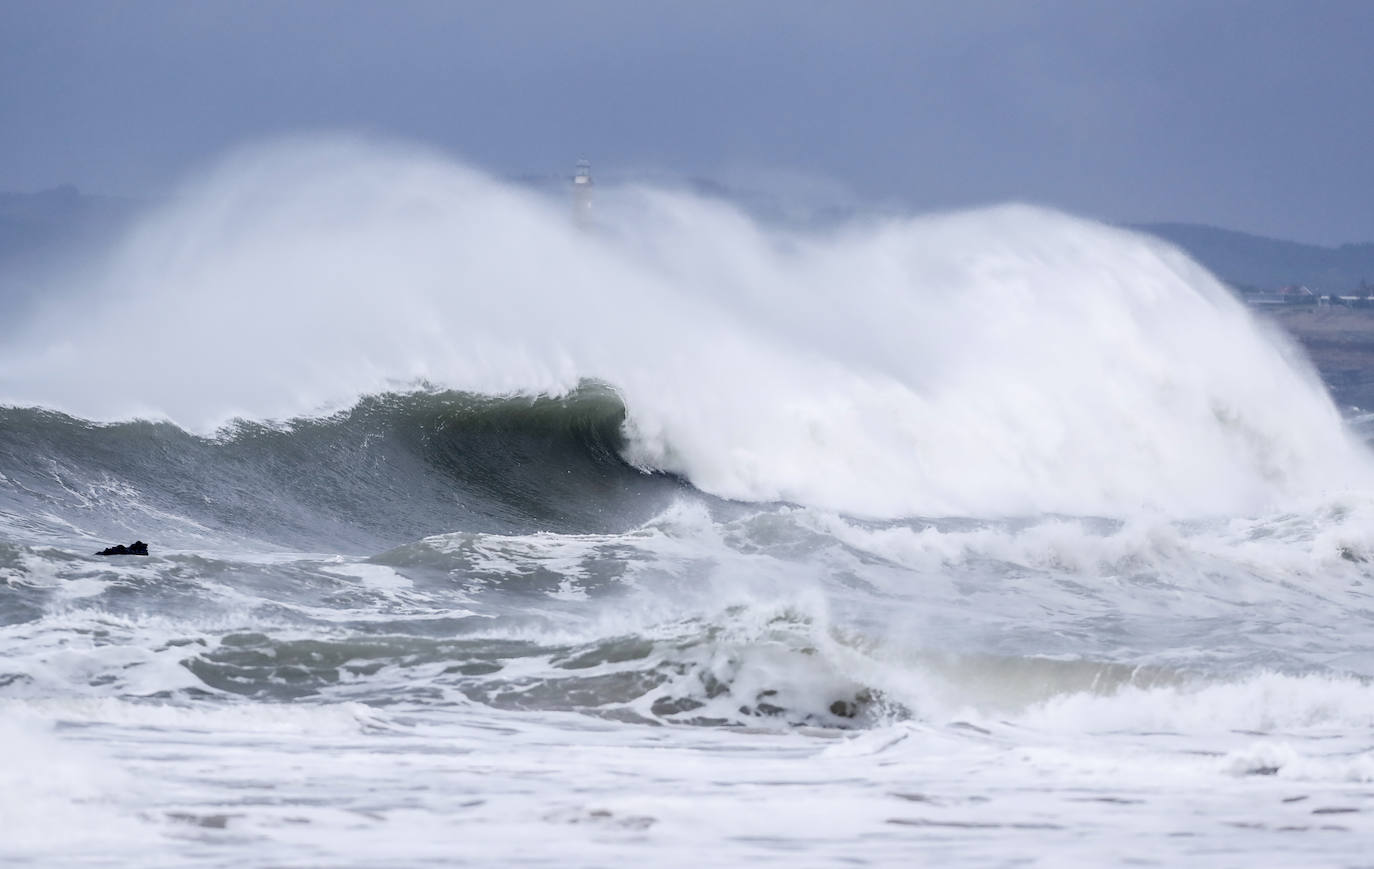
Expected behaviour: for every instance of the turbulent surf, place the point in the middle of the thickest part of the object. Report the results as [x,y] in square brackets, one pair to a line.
[480,534]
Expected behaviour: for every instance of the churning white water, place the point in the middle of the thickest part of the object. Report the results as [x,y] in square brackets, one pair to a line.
[1002,361]
[482,536]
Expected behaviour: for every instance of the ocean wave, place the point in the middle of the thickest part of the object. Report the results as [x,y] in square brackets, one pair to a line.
[391,468]
[1006,361]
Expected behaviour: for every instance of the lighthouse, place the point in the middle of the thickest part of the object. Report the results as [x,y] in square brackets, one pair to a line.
[582,191]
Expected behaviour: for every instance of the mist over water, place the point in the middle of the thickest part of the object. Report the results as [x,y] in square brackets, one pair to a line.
[980,535]
[1003,361]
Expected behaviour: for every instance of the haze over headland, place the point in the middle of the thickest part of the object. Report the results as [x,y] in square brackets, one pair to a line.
[1244,115]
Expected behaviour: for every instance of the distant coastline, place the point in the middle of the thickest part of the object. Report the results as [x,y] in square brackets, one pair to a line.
[1253,263]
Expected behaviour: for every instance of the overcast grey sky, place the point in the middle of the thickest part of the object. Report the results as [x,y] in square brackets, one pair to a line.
[1251,115]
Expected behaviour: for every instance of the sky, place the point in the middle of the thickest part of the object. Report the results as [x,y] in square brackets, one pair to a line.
[1249,114]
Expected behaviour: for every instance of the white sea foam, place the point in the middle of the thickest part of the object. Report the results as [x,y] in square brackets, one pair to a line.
[1265,702]
[55,796]
[336,719]
[1009,360]
[1324,544]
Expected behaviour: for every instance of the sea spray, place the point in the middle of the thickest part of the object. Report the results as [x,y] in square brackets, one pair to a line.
[1002,361]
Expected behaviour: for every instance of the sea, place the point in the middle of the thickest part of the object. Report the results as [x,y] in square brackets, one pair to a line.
[482,534]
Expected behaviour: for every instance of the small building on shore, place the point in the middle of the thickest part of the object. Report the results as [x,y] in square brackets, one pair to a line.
[1293,295]
[582,191]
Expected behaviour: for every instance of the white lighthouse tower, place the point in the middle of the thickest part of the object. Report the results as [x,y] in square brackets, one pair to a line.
[582,191]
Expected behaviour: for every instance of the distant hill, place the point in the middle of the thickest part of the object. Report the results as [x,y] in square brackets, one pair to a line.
[1255,262]
[33,223]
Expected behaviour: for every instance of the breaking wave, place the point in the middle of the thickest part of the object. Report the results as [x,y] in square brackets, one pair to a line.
[1005,361]
[390,469]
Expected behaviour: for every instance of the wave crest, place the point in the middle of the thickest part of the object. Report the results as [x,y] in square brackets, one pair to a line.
[1003,361]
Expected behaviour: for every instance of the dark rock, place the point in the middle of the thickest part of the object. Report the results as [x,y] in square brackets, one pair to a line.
[138,547]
